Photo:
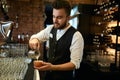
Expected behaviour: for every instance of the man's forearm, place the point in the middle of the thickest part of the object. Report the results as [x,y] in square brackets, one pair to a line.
[64,67]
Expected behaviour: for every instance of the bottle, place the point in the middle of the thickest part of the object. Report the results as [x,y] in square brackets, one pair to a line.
[27,38]
[22,38]
[19,38]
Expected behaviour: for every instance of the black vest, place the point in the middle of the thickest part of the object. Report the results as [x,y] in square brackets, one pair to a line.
[59,52]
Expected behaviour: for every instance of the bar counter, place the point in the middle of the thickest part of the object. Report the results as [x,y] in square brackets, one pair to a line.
[13,68]
[19,68]
[16,63]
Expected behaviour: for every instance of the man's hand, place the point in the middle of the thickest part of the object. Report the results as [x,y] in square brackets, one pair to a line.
[34,44]
[45,66]
[59,67]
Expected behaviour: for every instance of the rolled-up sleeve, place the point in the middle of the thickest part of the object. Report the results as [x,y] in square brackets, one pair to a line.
[43,35]
[77,49]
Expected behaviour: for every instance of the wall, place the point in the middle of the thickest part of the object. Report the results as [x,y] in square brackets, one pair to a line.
[87,21]
[30,16]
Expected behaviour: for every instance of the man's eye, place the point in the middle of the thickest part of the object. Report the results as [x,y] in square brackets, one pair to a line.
[59,17]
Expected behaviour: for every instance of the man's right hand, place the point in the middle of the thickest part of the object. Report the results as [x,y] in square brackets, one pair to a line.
[34,44]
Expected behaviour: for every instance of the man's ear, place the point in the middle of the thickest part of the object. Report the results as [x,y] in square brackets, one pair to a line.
[69,18]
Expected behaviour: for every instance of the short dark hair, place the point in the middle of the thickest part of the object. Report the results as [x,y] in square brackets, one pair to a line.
[58,4]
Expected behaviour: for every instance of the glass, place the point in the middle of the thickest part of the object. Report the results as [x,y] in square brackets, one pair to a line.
[35,54]
[38,63]
[18,50]
[10,72]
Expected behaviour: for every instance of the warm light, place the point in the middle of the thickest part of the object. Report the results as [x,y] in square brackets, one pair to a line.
[112,24]
[110,51]
[113,37]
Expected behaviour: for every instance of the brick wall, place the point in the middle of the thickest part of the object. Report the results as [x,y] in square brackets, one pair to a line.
[30,16]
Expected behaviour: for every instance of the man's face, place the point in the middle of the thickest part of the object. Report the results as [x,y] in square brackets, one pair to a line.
[60,18]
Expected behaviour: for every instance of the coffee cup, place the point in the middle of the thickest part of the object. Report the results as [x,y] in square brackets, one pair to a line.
[38,63]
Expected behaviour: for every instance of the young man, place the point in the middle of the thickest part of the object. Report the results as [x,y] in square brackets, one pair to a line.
[65,44]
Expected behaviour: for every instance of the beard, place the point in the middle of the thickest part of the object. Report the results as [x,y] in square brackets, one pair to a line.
[60,26]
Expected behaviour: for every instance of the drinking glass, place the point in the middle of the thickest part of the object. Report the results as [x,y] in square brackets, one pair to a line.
[35,54]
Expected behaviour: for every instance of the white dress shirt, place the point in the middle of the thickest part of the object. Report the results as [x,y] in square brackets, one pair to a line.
[76,47]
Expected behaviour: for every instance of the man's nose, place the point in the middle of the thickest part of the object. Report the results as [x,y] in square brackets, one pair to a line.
[55,20]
